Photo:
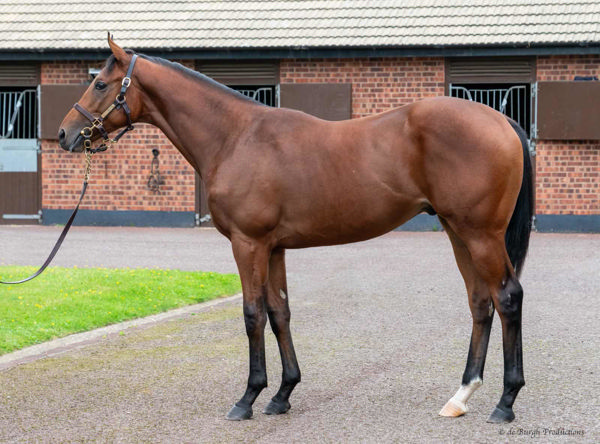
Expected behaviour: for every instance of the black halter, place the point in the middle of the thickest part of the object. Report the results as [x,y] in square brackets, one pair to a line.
[98,122]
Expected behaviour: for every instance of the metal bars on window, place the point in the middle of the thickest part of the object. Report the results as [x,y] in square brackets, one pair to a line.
[265,95]
[18,114]
[514,101]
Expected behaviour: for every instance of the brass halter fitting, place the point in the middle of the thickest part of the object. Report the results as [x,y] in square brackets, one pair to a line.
[87,137]
[87,131]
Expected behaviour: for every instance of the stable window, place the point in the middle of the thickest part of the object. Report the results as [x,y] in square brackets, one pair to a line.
[257,80]
[502,83]
[513,100]
[18,113]
[267,95]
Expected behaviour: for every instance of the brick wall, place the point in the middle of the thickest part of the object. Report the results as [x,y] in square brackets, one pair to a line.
[568,177]
[119,176]
[66,72]
[566,67]
[568,172]
[377,84]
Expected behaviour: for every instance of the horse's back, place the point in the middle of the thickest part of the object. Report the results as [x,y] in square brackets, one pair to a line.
[313,182]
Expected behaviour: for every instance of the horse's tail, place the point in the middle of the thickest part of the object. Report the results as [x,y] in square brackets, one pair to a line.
[519,227]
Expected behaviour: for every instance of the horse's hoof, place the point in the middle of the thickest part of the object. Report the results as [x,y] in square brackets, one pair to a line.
[454,408]
[500,416]
[276,407]
[238,413]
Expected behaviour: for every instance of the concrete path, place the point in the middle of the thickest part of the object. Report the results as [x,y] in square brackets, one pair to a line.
[381,331]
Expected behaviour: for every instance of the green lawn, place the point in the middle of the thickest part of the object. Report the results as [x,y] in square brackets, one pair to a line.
[68,300]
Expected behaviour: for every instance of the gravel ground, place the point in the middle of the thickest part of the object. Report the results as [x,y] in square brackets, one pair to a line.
[381,331]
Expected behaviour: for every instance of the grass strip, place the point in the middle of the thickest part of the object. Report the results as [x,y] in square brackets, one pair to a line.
[63,301]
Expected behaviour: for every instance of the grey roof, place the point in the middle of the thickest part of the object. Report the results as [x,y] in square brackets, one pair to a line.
[191,24]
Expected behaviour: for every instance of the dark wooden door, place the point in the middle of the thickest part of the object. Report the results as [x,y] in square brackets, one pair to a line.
[329,101]
[20,185]
[20,201]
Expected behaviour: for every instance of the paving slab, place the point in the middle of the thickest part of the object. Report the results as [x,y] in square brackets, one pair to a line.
[381,330]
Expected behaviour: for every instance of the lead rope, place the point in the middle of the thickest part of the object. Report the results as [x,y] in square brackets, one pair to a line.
[61,238]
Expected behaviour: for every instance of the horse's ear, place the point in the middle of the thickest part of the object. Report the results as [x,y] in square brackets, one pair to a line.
[118,52]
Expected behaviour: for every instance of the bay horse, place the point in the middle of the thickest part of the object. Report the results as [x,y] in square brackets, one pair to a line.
[278,179]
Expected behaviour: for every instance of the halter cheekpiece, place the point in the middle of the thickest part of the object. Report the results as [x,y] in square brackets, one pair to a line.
[98,122]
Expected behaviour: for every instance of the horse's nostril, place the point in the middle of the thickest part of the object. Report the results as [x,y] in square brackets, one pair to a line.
[61,134]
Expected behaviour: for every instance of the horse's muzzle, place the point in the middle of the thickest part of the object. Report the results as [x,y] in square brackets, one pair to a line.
[76,146]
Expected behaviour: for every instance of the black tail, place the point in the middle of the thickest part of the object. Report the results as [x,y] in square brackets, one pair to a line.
[519,227]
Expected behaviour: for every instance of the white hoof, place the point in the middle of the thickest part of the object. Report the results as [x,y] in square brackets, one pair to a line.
[457,406]
[454,408]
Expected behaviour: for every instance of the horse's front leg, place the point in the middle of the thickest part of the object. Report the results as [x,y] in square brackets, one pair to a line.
[279,317]
[252,259]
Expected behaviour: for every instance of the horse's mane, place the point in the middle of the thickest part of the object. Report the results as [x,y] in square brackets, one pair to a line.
[190,73]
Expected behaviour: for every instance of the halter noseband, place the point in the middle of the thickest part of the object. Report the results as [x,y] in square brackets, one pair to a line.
[98,122]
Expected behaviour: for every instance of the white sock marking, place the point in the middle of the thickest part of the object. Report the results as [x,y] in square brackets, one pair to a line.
[465,391]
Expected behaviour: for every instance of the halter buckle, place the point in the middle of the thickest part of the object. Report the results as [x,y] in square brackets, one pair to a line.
[126,82]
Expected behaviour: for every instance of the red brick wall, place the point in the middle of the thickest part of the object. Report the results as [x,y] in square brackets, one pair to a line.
[566,67]
[568,172]
[377,84]
[66,72]
[119,176]
[568,177]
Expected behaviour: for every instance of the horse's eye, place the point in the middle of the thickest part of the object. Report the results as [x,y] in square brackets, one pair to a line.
[100,86]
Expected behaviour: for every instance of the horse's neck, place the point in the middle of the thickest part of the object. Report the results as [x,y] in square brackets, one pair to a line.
[197,117]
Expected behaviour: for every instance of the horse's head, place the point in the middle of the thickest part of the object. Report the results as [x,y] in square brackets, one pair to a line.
[92,117]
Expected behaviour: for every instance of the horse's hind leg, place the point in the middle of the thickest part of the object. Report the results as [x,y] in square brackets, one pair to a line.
[480,303]
[509,301]
[252,260]
[279,317]
[492,264]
